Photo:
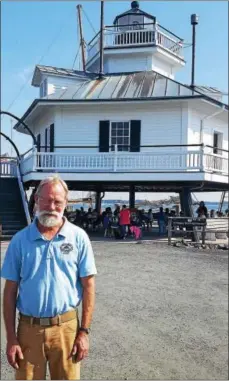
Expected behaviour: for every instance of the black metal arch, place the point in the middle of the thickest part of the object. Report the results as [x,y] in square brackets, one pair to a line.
[21,121]
[15,147]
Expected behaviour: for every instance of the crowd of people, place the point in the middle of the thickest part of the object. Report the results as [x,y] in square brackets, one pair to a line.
[123,222]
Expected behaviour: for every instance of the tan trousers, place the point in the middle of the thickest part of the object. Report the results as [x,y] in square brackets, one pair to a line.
[52,345]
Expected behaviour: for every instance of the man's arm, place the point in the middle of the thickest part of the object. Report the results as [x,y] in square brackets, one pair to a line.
[81,345]
[9,308]
[13,350]
[88,301]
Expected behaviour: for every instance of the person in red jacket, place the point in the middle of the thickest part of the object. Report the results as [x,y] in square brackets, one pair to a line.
[124,220]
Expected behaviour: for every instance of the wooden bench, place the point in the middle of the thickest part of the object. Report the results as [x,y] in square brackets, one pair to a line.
[205,229]
[217,228]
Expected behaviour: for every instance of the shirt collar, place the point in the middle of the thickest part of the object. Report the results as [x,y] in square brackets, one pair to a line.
[35,233]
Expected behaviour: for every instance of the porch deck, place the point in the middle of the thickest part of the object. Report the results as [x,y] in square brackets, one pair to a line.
[154,164]
[172,164]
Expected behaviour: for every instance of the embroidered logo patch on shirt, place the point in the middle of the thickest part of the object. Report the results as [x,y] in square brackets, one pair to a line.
[65,248]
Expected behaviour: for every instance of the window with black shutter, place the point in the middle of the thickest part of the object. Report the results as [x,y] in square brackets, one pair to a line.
[52,138]
[135,135]
[39,143]
[104,135]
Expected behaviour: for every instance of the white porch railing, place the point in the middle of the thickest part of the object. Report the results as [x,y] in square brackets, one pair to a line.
[215,163]
[183,161]
[8,168]
[153,35]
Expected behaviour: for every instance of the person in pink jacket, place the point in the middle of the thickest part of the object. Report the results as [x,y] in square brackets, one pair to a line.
[124,220]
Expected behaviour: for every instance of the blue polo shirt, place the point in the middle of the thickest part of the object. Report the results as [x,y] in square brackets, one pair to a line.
[49,272]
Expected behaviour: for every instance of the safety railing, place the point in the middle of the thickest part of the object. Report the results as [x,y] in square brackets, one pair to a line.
[8,167]
[127,36]
[154,159]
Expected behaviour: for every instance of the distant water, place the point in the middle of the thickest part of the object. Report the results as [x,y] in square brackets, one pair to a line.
[110,203]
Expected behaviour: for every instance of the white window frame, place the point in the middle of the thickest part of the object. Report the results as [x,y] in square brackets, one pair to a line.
[43,88]
[110,135]
[220,137]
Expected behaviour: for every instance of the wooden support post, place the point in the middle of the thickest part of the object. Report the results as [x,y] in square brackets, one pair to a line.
[98,202]
[132,197]
[169,231]
[186,207]
[203,234]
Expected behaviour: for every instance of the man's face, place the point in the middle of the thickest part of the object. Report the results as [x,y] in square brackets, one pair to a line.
[50,204]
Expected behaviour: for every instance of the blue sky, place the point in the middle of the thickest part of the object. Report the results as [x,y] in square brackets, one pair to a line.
[45,32]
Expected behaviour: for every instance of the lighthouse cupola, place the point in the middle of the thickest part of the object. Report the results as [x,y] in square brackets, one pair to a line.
[137,42]
[134,19]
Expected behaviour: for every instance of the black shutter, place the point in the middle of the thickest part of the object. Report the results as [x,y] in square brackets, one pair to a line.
[46,140]
[104,135]
[39,143]
[52,138]
[135,135]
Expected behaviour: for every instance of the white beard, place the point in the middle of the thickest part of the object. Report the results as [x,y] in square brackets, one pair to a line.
[49,219]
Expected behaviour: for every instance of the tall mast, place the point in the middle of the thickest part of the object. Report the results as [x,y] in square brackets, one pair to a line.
[194,22]
[79,7]
[101,39]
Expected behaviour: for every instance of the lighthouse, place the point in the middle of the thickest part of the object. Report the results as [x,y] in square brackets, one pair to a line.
[134,128]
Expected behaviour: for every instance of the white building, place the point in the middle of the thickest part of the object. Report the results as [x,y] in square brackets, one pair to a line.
[135,128]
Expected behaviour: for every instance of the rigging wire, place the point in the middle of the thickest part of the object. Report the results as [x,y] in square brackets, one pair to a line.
[39,62]
[89,20]
[76,56]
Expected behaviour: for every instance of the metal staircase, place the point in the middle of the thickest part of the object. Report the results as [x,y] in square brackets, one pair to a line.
[14,214]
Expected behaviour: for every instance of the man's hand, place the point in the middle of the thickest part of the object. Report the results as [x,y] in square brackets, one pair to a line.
[81,346]
[14,353]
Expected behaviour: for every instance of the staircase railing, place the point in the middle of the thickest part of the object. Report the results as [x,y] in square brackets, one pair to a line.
[23,195]
[8,166]
[222,199]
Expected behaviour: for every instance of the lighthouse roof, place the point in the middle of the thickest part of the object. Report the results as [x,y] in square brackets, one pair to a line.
[118,86]
[134,86]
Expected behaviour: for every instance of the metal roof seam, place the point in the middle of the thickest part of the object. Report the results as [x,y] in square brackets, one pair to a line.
[142,83]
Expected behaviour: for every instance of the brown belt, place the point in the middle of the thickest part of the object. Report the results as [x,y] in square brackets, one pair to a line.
[49,321]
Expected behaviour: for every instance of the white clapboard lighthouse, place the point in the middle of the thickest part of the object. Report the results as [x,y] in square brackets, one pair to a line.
[134,128]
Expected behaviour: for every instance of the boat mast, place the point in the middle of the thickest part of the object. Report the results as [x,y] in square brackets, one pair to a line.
[82,43]
[101,39]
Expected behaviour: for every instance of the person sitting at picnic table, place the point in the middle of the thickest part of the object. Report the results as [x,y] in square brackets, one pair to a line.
[136,227]
[115,227]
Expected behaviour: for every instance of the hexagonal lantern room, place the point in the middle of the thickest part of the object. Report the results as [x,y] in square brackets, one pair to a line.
[137,41]
[134,19]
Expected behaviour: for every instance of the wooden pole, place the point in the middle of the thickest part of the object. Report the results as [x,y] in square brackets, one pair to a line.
[169,230]
[101,39]
[81,37]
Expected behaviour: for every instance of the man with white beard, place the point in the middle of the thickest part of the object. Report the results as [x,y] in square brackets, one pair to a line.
[49,269]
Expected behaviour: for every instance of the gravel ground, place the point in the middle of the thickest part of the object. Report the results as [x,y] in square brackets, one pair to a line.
[161,313]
